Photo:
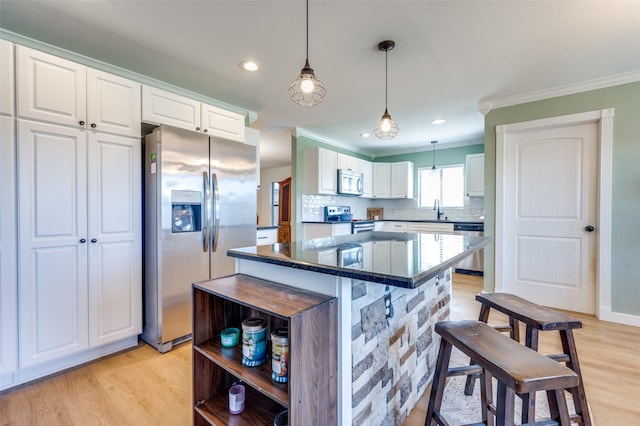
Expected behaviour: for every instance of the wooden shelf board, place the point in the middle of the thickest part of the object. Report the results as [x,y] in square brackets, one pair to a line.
[258,410]
[230,359]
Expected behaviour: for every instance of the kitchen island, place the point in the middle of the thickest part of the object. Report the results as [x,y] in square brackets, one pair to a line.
[391,289]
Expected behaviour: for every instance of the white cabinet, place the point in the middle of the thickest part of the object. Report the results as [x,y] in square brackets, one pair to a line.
[367,178]
[252,137]
[395,226]
[393,257]
[348,162]
[402,179]
[431,227]
[378,226]
[266,237]
[79,240]
[325,230]
[66,93]
[381,256]
[381,180]
[6,77]
[162,107]
[320,171]
[8,282]
[475,175]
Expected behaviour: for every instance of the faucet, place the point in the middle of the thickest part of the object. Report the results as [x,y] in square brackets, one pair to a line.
[438,209]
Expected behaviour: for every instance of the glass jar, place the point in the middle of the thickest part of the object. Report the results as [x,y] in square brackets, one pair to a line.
[254,341]
[280,355]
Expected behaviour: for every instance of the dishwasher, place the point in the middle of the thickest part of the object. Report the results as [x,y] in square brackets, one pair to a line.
[473,264]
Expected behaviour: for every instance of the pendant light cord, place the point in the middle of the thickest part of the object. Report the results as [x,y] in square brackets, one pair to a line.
[386,77]
[307,30]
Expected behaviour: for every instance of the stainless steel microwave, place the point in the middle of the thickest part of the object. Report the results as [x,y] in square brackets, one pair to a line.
[349,182]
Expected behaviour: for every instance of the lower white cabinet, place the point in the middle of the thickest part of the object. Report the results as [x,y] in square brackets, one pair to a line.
[430,227]
[8,286]
[79,239]
[325,230]
[393,257]
[395,226]
[266,236]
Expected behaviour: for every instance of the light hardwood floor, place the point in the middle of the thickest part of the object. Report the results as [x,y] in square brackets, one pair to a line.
[143,387]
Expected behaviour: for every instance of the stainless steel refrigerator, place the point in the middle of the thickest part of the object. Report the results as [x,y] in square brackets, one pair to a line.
[200,200]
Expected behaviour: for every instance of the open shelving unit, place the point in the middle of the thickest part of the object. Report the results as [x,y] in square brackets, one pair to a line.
[312,322]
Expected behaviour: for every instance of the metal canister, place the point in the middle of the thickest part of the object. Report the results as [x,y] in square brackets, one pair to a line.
[280,355]
[254,341]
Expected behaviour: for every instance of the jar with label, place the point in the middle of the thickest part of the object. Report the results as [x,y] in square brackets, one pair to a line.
[280,355]
[254,341]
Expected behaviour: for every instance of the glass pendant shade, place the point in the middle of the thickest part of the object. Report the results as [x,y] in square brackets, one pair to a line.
[386,127]
[307,89]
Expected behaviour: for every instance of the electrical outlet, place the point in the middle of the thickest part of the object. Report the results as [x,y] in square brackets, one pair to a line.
[388,306]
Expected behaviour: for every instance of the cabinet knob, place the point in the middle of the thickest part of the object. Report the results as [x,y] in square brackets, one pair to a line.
[93,125]
[93,240]
[81,122]
[198,128]
[82,240]
[205,130]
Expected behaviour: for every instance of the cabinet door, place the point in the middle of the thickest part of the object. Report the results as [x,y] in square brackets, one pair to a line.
[475,175]
[222,123]
[161,107]
[396,226]
[402,258]
[367,178]
[114,238]
[113,104]
[53,242]
[328,171]
[8,286]
[6,77]
[382,257]
[50,88]
[381,180]
[402,180]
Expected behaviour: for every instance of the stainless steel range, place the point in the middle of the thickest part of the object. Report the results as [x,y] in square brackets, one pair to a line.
[358,226]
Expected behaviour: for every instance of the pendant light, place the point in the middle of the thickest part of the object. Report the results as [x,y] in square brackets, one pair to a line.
[386,127]
[307,89]
[433,170]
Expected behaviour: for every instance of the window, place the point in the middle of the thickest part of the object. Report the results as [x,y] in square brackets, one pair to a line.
[275,200]
[446,184]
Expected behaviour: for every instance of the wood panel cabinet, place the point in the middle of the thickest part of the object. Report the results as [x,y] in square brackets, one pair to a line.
[66,93]
[320,171]
[162,107]
[79,240]
[474,171]
[311,392]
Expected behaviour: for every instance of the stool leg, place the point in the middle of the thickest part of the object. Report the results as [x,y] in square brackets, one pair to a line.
[471,380]
[486,398]
[438,383]
[560,412]
[515,329]
[505,405]
[579,395]
[529,400]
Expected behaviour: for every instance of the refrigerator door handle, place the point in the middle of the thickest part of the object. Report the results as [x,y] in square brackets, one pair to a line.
[206,229]
[216,212]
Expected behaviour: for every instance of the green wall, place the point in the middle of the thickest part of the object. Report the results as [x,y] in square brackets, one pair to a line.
[625,232]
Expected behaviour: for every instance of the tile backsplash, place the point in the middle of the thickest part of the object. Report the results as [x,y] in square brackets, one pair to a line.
[396,209]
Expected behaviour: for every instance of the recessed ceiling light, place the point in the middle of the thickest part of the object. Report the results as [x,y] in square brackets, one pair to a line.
[364,135]
[249,66]
[438,121]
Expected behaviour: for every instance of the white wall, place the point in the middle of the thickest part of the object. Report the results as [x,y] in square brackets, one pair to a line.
[267,176]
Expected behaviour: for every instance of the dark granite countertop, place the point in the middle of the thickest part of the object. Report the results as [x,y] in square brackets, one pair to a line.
[259,228]
[405,260]
[396,220]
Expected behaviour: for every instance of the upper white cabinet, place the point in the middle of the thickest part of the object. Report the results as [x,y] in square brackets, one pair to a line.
[63,92]
[162,107]
[8,282]
[402,179]
[320,171]
[475,175]
[6,77]
[366,167]
[79,240]
[348,162]
[381,180]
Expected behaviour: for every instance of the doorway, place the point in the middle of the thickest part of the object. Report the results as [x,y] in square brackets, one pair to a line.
[553,180]
[284,211]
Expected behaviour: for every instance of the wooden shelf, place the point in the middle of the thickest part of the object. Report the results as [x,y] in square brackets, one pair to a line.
[312,322]
[258,377]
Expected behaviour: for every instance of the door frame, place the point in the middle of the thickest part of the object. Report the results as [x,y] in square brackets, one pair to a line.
[604,150]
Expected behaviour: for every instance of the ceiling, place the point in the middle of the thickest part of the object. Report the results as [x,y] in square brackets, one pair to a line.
[450,56]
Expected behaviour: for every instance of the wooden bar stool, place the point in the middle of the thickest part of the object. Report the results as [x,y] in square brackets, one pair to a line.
[516,368]
[537,318]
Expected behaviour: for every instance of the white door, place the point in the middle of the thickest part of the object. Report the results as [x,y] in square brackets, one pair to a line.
[114,238]
[550,193]
[52,241]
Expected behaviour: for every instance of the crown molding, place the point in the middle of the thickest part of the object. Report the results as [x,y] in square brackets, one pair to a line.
[414,150]
[600,83]
[298,131]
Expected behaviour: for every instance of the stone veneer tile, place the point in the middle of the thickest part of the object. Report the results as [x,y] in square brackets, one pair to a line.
[364,391]
[356,331]
[361,367]
[362,418]
[358,290]
[397,335]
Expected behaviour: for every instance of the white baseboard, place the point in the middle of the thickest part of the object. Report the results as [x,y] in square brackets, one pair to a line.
[605,314]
